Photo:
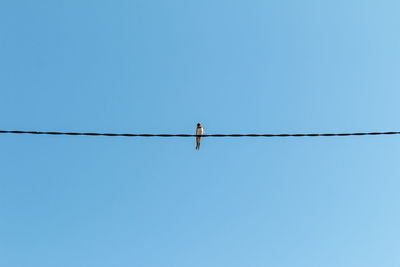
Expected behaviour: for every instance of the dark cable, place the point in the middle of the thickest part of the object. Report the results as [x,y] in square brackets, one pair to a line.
[193,135]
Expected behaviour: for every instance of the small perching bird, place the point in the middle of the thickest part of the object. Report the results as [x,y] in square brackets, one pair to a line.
[199,131]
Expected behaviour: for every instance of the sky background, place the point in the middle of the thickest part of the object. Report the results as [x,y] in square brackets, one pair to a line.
[235,66]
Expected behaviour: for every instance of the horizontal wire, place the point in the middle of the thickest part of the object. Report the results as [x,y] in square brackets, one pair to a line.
[205,135]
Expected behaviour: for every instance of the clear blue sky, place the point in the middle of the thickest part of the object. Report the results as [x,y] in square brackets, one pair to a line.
[237,67]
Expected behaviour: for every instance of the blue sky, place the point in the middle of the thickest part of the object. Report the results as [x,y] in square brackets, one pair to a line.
[235,66]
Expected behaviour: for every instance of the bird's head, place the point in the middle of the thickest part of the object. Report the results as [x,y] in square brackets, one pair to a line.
[198,125]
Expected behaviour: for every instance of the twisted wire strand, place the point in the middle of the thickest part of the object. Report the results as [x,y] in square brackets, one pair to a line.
[193,135]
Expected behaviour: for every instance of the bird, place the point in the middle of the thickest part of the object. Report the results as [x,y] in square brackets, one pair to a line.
[199,131]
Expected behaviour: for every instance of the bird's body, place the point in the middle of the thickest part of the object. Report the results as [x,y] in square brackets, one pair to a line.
[199,131]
